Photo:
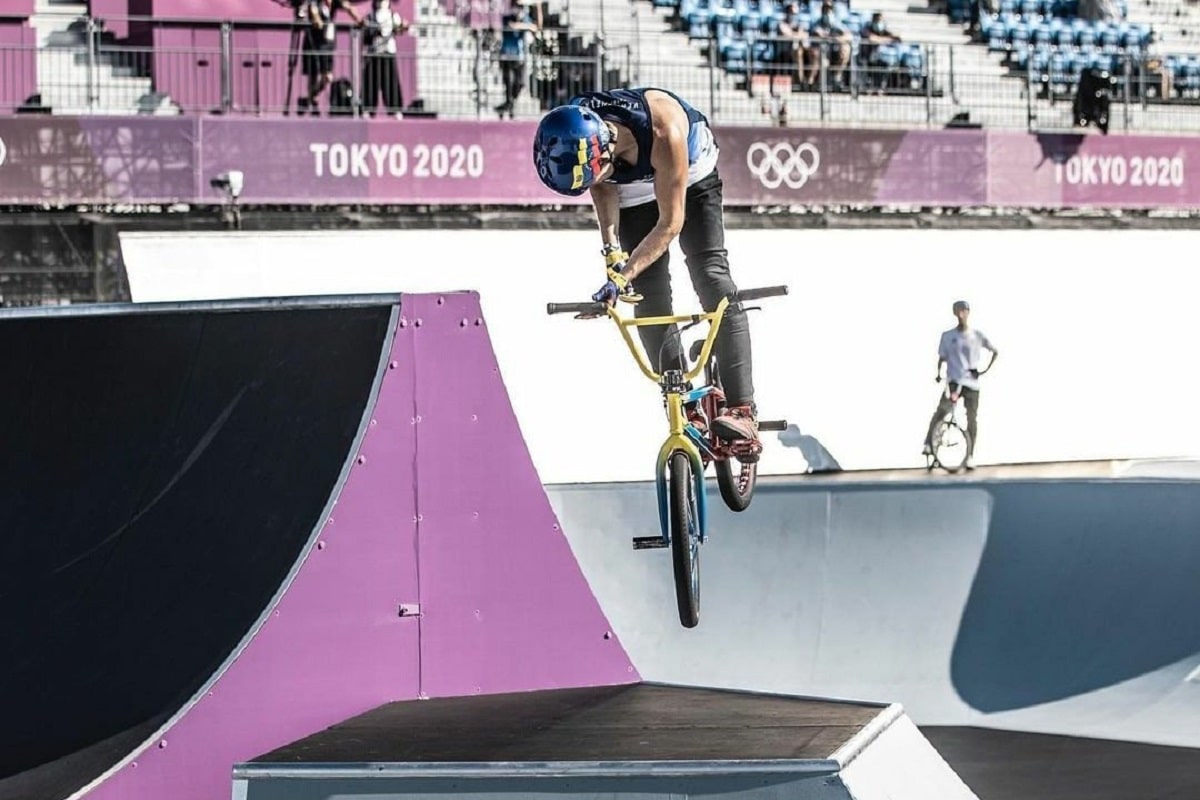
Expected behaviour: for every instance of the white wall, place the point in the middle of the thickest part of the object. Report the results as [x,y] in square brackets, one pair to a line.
[1095,330]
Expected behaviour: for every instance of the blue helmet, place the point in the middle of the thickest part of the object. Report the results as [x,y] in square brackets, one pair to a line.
[567,149]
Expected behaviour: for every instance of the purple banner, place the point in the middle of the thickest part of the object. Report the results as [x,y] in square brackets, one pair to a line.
[768,166]
[411,162]
[319,161]
[97,159]
[1060,170]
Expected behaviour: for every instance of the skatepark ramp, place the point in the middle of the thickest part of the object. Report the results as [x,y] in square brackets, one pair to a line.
[1050,599]
[644,741]
[228,525]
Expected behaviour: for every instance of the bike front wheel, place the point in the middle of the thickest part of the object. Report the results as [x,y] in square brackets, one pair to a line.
[951,445]
[685,538]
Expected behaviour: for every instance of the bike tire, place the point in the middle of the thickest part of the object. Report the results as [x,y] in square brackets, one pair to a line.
[737,489]
[957,459]
[685,539]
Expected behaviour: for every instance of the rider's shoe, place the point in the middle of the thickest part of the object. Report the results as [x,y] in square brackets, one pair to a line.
[736,423]
[970,462]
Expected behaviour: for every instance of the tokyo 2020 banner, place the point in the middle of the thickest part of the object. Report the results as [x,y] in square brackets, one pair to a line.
[138,160]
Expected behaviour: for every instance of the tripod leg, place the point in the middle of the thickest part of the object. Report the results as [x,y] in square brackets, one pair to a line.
[293,57]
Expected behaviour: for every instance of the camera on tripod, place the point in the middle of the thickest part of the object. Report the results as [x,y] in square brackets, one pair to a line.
[1093,96]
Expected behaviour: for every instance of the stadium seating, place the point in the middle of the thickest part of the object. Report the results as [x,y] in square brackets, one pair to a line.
[1047,39]
[746,35]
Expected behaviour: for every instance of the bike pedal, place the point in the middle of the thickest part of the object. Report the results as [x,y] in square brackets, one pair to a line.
[648,542]
[773,425]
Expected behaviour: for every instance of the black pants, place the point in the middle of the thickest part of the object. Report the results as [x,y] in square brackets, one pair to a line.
[970,402]
[381,79]
[512,75]
[703,243]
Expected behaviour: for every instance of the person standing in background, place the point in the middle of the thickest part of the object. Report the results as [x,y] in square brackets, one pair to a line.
[516,23]
[381,77]
[961,350]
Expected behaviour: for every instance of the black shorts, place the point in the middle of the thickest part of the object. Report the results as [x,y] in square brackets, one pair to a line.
[318,58]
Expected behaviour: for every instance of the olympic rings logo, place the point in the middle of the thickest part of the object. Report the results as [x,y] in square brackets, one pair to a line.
[782,162]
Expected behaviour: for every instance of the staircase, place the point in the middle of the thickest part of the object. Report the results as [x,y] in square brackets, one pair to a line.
[460,76]
[66,83]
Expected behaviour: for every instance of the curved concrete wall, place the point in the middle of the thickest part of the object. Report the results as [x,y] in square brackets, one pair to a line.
[1093,326]
[1051,606]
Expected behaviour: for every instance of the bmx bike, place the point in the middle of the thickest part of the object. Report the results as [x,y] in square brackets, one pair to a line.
[689,447]
[950,443]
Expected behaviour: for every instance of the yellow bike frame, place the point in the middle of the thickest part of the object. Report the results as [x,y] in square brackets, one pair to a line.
[676,439]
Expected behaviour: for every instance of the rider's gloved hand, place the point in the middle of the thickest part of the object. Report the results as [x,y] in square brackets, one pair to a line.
[617,286]
[938,379]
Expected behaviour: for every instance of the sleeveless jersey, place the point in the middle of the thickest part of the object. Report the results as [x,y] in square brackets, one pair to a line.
[628,108]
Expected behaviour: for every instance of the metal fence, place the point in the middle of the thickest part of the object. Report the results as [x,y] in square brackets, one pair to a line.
[458,72]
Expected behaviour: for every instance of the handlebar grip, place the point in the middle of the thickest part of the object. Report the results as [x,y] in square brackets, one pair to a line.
[765,291]
[576,308]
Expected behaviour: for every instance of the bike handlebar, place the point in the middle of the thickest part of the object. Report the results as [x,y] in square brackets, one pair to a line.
[576,308]
[758,294]
[602,308]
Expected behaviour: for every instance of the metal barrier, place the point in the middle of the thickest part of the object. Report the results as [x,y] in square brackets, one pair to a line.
[752,80]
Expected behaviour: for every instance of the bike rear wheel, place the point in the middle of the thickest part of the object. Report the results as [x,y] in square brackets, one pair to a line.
[951,445]
[685,538]
[736,485]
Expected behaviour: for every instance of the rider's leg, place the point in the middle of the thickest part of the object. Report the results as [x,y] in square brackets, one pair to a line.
[654,284]
[703,243]
[971,402]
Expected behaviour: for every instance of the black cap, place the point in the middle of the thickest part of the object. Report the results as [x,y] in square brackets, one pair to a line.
[961,305]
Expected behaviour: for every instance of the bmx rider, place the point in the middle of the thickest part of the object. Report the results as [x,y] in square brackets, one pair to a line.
[649,161]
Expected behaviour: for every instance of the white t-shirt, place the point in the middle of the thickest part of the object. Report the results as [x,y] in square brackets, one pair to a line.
[386,22]
[963,351]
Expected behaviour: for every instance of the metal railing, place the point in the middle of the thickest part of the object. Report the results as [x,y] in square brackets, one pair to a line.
[459,72]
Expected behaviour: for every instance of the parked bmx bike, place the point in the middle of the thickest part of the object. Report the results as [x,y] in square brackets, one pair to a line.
[950,443]
[690,445]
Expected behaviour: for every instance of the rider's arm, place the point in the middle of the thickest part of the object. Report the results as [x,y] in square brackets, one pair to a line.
[941,361]
[992,361]
[670,161]
[608,212]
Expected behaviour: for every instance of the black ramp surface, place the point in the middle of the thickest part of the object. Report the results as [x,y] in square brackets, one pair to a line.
[1010,765]
[161,471]
[639,722]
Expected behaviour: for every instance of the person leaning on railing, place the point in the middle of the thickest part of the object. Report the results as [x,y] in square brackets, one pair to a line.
[320,41]
[380,75]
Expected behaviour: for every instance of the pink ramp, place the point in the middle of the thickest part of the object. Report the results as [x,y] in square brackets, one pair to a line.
[440,571]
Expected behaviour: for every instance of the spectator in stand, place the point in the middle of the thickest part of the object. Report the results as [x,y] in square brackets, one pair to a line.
[828,34]
[381,78]
[874,34]
[791,29]
[320,40]
[516,23]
